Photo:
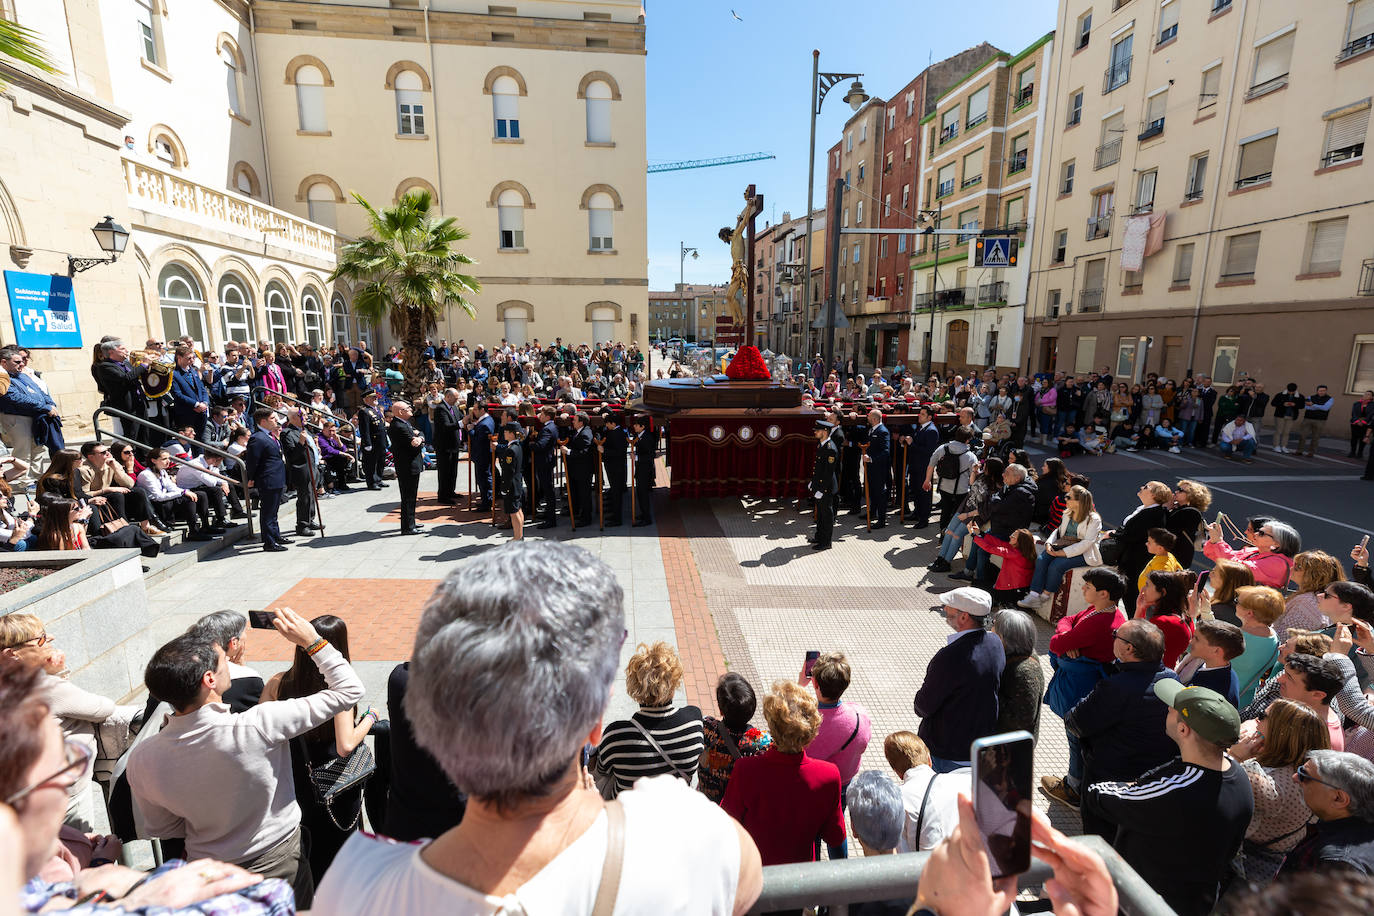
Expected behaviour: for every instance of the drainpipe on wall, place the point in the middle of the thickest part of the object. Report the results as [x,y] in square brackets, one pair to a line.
[262,112]
[438,161]
[1216,196]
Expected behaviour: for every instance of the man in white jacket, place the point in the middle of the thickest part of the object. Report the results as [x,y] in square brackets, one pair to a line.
[1238,437]
[223,780]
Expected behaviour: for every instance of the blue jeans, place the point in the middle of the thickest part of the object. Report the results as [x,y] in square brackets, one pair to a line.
[949,547]
[1246,448]
[977,563]
[945,765]
[1050,571]
[1046,423]
[1189,427]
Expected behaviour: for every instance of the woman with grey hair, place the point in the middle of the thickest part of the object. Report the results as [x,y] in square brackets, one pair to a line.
[226,629]
[1269,555]
[511,671]
[876,813]
[1020,694]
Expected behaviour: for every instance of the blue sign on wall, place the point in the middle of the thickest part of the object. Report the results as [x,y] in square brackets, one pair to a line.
[43,307]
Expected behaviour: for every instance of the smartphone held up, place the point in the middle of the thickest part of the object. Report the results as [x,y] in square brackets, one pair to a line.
[261,620]
[1002,799]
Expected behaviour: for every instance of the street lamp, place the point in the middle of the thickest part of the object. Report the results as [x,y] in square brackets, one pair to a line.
[682,251]
[112,239]
[822,83]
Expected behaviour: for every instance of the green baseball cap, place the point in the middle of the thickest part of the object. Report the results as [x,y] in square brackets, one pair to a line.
[1207,712]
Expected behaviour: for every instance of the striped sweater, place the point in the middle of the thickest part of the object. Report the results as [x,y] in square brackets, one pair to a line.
[625,754]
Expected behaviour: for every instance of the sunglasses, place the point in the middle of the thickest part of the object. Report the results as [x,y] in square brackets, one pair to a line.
[37,642]
[1304,776]
[80,760]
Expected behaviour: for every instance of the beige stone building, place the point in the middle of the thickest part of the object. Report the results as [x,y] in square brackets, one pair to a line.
[673,313]
[979,173]
[1241,125]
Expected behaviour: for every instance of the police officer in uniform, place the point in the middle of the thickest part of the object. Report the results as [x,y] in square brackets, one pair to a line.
[510,459]
[851,469]
[824,483]
[581,460]
[614,445]
[645,448]
[544,458]
[372,435]
[407,451]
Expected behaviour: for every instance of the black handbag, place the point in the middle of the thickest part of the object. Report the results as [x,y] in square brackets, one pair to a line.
[339,774]
[1111,550]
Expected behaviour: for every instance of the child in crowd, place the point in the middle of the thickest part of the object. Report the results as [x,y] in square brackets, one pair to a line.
[1018,565]
[1159,541]
[1068,443]
[1257,607]
[1093,439]
[1208,660]
[1168,437]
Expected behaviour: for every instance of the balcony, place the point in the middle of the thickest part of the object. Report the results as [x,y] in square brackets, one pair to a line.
[1149,131]
[1116,76]
[1266,87]
[963,297]
[1366,287]
[989,293]
[1108,153]
[970,181]
[1356,46]
[1023,97]
[1206,100]
[1017,163]
[1220,6]
[1099,227]
[974,122]
[949,132]
[1193,194]
[1168,34]
[1090,300]
[1075,117]
[1251,180]
[1353,151]
[945,189]
[171,196]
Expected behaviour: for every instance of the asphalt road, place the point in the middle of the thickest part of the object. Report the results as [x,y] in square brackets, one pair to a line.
[1322,497]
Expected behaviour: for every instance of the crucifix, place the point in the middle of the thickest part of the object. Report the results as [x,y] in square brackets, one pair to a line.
[741,242]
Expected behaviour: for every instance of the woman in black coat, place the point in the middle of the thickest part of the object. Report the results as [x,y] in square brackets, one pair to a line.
[1131,536]
[1190,500]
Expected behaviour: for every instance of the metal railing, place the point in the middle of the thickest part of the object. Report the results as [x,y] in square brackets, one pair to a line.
[945,188]
[842,882]
[1268,85]
[1193,194]
[1152,129]
[1356,46]
[949,132]
[1219,5]
[993,292]
[1116,76]
[1250,180]
[1167,34]
[1023,96]
[1017,162]
[1366,287]
[256,400]
[1353,151]
[971,181]
[1099,227]
[1090,300]
[1107,154]
[126,418]
[974,122]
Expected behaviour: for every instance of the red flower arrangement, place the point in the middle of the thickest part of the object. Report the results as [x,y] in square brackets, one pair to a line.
[748,365]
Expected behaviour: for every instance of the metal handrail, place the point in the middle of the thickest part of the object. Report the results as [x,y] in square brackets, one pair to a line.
[842,882]
[172,434]
[352,440]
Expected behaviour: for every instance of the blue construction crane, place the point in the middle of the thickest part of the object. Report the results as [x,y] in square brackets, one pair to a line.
[708,163]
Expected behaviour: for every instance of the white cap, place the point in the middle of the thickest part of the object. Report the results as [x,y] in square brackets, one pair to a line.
[968,599]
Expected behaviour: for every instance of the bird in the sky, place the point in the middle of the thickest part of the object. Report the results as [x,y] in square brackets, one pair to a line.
[736,15]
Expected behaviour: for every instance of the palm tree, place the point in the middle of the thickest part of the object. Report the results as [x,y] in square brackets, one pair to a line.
[406,271]
[23,45]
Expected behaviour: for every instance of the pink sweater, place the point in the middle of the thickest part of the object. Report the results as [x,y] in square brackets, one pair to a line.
[837,725]
[1268,568]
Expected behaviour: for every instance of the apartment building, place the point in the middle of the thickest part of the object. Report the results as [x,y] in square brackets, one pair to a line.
[1210,212]
[857,158]
[526,121]
[979,174]
[672,313]
[779,271]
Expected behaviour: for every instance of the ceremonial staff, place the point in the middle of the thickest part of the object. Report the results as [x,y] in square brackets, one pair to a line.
[901,513]
[567,487]
[495,478]
[630,455]
[863,463]
[310,466]
[600,508]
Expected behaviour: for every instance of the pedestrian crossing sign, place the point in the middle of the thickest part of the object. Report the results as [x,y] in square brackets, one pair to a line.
[995,251]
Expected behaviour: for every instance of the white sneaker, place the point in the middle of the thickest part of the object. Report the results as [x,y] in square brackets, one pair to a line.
[1278,450]
[1176,450]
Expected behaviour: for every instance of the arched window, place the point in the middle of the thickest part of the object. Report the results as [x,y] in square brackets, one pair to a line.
[510,209]
[603,325]
[236,310]
[365,333]
[600,210]
[182,304]
[246,180]
[322,204]
[515,318]
[410,106]
[312,317]
[338,313]
[310,85]
[505,107]
[232,78]
[281,327]
[598,112]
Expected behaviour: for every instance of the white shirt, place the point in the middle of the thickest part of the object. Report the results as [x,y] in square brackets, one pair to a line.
[159,485]
[942,807]
[190,476]
[681,856]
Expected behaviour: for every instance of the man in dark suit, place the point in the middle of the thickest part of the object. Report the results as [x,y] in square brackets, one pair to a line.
[957,701]
[1209,403]
[921,444]
[544,459]
[118,382]
[581,461]
[479,453]
[823,484]
[646,445]
[300,460]
[614,446]
[190,397]
[447,419]
[878,466]
[262,460]
[407,452]
[373,440]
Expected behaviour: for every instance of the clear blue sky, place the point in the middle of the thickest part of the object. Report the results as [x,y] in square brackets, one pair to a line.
[721,87]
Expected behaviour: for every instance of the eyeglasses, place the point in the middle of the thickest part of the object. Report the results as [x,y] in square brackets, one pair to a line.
[1304,776]
[37,642]
[1268,534]
[1124,639]
[79,759]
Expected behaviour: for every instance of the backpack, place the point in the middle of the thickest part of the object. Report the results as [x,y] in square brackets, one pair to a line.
[950,464]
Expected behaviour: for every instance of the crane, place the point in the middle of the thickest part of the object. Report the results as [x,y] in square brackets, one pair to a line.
[708,163]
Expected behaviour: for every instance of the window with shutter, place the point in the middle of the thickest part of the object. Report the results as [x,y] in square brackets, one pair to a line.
[973,167]
[410,108]
[1019,154]
[1272,61]
[1326,244]
[598,112]
[505,106]
[510,212]
[1094,274]
[1241,253]
[310,100]
[599,219]
[946,180]
[1359,35]
[978,107]
[1362,365]
[1256,160]
[1345,135]
[1155,107]
[1168,21]
[1211,88]
[1016,211]
[1183,264]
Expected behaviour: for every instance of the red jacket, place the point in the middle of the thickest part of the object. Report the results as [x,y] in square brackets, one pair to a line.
[785,801]
[1091,634]
[1016,570]
[1177,632]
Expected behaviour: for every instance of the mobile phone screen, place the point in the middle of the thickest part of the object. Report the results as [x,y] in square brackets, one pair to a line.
[1002,799]
[261,620]
[810,662]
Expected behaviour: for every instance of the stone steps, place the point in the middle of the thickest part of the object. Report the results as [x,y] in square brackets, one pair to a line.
[178,554]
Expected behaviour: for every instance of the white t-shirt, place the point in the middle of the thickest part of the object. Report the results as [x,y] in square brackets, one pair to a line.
[942,807]
[665,822]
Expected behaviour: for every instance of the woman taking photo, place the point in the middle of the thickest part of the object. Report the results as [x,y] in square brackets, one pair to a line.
[1190,500]
[985,482]
[1052,488]
[1270,755]
[1071,545]
[1273,545]
[1313,570]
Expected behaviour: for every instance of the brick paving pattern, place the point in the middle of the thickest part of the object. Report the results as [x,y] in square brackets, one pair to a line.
[382,616]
